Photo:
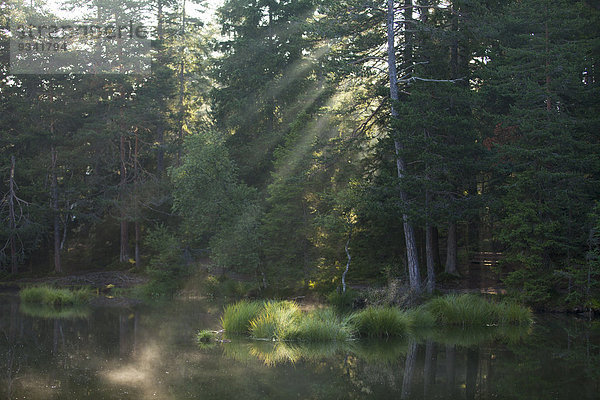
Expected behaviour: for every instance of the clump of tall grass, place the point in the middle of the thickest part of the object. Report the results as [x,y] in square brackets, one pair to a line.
[275,320]
[381,322]
[319,326]
[55,297]
[421,318]
[466,309]
[284,321]
[237,317]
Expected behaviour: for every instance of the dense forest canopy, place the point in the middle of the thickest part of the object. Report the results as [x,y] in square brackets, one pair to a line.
[299,141]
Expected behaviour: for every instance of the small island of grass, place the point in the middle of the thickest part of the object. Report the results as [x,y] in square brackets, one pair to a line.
[285,321]
[52,296]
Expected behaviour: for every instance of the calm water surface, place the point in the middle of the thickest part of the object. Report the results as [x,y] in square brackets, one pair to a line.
[150,353]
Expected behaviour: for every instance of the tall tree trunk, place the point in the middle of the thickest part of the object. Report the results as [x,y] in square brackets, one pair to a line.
[160,130]
[451,250]
[55,211]
[137,228]
[429,253]
[347,264]
[14,268]
[124,254]
[181,86]
[409,233]
[435,244]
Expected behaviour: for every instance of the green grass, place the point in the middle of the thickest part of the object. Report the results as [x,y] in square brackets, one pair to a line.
[319,326]
[54,296]
[205,336]
[467,309]
[237,317]
[275,320]
[283,320]
[381,322]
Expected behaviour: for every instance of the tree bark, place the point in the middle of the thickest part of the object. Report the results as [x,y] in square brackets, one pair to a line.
[451,250]
[181,86]
[347,264]
[435,240]
[55,211]
[137,228]
[409,234]
[429,254]
[160,131]
[124,254]
[14,268]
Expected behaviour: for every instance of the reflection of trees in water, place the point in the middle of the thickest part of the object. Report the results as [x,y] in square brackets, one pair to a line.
[45,351]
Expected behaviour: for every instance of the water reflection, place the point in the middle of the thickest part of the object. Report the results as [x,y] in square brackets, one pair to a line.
[151,353]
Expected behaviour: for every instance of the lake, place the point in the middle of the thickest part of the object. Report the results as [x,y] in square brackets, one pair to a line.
[150,352]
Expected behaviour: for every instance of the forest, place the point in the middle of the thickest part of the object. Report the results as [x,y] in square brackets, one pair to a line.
[305,146]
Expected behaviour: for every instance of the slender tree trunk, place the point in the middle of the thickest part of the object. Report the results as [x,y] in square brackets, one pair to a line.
[451,250]
[429,253]
[160,131]
[124,254]
[181,86]
[409,233]
[137,228]
[55,211]
[347,264]
[14,268]
[435,244]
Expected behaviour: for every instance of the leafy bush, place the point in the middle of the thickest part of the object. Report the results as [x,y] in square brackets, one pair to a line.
[166,267]
[54,296]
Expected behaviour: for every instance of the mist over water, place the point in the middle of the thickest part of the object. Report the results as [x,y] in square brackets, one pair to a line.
[150,352]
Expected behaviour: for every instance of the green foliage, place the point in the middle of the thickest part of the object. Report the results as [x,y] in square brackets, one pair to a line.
[380,322]
[218,210]
[55,297]
[466,309]
[166,267]
[237,317]
[343,301]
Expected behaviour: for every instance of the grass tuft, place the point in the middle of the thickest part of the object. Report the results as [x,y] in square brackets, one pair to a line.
[237,317]
[380,322]
[467,309]
[54,296]
[319,326]
[276,319]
